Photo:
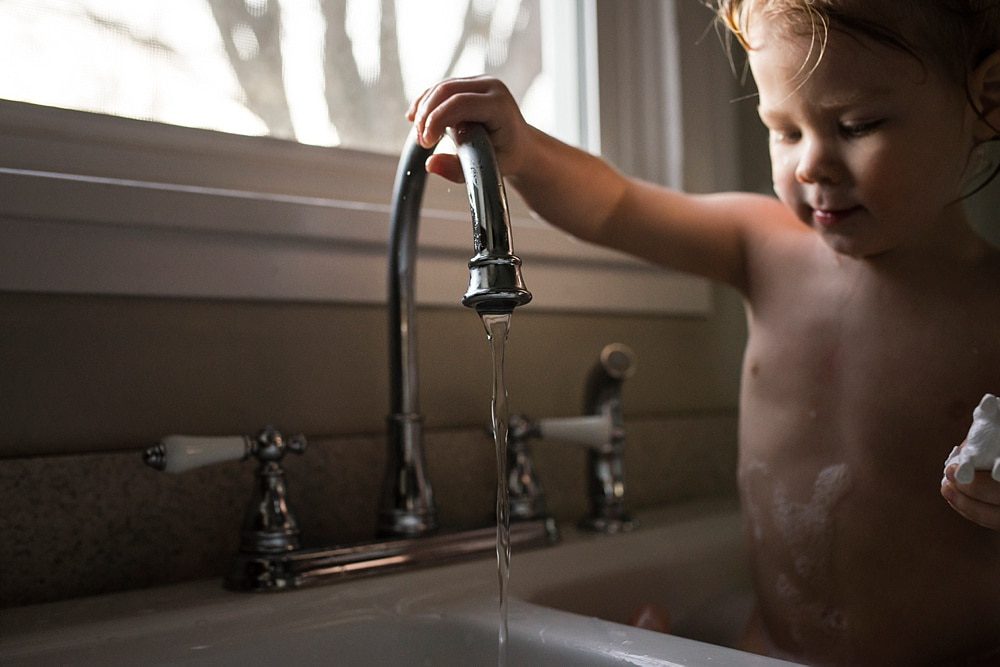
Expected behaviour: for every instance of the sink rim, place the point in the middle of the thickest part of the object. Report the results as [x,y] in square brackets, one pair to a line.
[461,594]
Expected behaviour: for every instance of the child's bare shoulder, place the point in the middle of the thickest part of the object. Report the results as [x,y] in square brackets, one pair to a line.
[776,242]
[766,225]
[758,211]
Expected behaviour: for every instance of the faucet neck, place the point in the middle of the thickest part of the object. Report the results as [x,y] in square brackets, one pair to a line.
[495,282]
[495,286]
[407,196]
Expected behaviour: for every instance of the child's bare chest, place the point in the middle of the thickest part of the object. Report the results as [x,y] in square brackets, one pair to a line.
[880,370]
[850,403]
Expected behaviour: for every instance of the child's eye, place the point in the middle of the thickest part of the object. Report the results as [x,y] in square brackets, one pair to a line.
[784,136]
[854,130]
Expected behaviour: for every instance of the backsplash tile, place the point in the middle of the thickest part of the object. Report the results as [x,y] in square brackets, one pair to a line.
[94,523]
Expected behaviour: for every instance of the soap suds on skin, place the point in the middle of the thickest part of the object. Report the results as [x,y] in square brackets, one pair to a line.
[806,532]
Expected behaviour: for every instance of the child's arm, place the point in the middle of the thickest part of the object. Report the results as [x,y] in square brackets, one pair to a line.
[978,502]
[587,197]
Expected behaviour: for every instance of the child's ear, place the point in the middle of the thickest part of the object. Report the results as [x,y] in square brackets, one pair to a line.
[984,93]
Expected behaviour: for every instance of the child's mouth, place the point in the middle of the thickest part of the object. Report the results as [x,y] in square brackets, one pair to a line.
[827,218]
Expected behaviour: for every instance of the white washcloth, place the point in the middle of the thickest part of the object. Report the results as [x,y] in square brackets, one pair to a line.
[981,450]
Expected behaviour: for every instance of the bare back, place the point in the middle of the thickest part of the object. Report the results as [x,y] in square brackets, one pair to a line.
[858,379]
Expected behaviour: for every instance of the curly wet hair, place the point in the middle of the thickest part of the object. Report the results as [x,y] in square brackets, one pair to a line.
[954,34]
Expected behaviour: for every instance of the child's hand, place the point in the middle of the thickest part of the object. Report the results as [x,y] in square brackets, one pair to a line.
[978,501]
[483,100]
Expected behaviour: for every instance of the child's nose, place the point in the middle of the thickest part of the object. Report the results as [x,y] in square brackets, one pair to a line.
[818,163]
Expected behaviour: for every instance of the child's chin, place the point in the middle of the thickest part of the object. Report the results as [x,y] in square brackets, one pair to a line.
[852,247]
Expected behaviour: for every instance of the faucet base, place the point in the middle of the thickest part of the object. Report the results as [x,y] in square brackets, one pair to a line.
[406,524]
[407,508]
[607,525]
[307,567]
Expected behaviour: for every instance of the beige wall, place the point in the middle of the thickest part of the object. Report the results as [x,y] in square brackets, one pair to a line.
[86,374]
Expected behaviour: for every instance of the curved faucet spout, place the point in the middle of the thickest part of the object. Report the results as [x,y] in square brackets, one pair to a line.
[495,286]
[495,283]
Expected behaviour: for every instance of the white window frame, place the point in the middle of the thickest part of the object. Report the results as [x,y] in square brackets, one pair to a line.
[93,204]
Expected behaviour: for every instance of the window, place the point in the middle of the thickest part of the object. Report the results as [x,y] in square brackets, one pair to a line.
[98,199]
[323,72]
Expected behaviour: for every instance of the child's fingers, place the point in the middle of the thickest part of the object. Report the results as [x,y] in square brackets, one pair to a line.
[983,487]
[449,87]
[458,102]
[452,102]
[457,110]
[411,111]
[984,514]
[446,165]
[982,508]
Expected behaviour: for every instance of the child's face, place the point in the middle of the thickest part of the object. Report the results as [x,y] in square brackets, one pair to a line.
[869,148]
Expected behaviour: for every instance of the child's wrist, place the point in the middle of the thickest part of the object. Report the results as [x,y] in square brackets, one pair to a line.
[531,159]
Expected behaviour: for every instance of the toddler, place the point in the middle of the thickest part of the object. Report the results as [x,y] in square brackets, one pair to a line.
[873,310]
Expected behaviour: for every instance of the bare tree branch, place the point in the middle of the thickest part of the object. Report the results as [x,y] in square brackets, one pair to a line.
[259,69]
[342,82]
[365,107]
[519,72]
[389,96]
[390,79]
[149,43]
[473,26]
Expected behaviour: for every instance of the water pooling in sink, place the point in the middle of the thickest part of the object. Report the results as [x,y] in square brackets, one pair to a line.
[497,327]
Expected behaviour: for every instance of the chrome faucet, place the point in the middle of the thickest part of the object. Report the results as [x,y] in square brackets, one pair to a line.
[495,286]
[270,533]
[601,430]
[407,508]
[606,479]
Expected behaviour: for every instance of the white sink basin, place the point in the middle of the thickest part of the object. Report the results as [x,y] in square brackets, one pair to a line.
[567,607]
[694,567]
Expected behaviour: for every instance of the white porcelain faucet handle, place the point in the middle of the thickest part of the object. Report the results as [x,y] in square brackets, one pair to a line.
[186,452]
[590,430]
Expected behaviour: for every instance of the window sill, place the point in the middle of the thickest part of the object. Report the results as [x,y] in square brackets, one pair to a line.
[98,205]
